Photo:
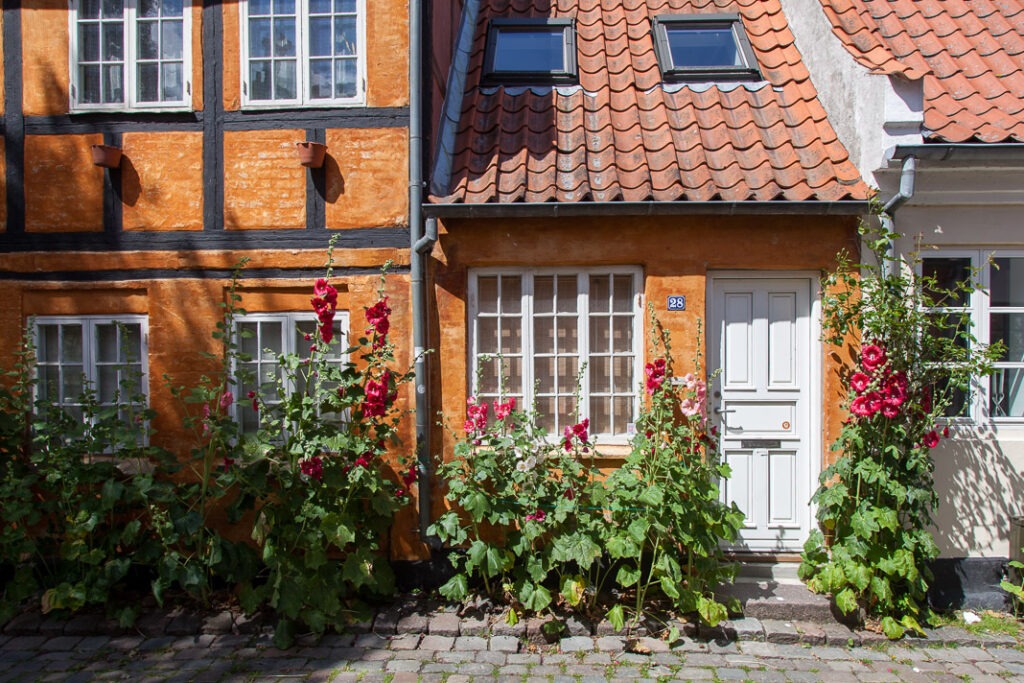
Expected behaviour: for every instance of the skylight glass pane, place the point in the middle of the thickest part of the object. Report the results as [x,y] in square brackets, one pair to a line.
[541,50]
[703,47]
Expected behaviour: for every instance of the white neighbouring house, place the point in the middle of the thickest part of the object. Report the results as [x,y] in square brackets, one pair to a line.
[928,97]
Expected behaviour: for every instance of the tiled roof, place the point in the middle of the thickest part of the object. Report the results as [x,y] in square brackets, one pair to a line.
[969,52]
[624,135]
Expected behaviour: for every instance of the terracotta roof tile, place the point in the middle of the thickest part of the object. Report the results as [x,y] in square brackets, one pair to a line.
[970,53]
[623,134]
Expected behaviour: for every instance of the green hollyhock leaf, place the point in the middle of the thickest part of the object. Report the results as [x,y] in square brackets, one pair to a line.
[711,611]
[455,589]
[627,575]
[576,547]
[846,601]
[616,616]
[892,628]
[534,596]
[620,546]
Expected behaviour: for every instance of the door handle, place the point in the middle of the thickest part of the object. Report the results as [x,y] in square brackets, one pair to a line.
[723,411]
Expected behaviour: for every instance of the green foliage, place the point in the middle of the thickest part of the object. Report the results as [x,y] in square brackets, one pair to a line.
[77,486]
[875,501]
[1013,588]
[312,480]
[542,528]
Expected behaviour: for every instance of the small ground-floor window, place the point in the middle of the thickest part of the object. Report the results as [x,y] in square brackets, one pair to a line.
[263,338]
[102,355]
[546,336]
[996,311]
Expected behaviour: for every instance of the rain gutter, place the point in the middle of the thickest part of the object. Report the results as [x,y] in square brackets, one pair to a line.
[716,208]
[420,242]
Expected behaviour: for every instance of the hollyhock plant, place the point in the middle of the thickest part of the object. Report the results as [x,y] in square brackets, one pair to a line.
[380,324]
[876,499]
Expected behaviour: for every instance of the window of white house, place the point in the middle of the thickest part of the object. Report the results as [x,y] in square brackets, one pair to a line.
[103,355]
[262,338]
[533,333]
[997,314]
[303,52]
[130,54]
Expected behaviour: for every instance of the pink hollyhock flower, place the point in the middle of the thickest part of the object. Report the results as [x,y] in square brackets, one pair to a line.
[312,467]
[400,493]
[861,407]
[538,516]
[569,494]
[930,440]
[945,432]
[255,402]
[890,411]
[325,304]
[377,316]
[874,401]
[476,419]
[700,390]
[503,410]
[859,382]
[690,380]
[363,460]
[409,477]
[655,375]
[872,357]
[689,407]
[226,399]
[377,396]
[228,462]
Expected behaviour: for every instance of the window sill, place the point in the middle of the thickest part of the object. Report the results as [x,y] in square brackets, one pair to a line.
[292,106]
[183,109]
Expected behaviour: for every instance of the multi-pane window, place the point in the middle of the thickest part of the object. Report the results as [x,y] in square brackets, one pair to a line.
[104,356]
[535,335]
[997,313]
[130,54]
[262,339]
[302,52]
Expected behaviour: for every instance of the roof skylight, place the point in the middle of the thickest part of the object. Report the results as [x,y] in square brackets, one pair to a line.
[703,47]
[529,51]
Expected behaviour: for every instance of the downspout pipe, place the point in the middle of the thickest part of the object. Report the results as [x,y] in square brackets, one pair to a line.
[419,246]
[908,179]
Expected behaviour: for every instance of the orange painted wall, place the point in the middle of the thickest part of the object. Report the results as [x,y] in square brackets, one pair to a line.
[675,254]
[63,190]
[264,185]
[45,45]
[162,181]
[366,173]
[44,39]
[181,314]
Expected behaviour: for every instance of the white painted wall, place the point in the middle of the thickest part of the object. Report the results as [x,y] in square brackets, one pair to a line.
[979,473]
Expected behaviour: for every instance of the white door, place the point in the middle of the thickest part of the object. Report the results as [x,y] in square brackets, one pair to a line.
[761,343]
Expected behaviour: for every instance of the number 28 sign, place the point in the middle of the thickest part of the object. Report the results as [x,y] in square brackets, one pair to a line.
[676,302]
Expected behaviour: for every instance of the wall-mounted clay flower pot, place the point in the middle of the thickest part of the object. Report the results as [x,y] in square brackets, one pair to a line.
[311,154]
[106,156]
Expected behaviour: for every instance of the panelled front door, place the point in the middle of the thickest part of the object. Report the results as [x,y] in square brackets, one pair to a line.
[761,343]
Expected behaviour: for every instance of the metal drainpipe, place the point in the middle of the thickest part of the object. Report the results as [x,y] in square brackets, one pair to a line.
[908,177]
[419,245]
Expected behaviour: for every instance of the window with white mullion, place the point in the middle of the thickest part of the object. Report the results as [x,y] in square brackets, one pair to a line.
[302,52]
[579,324]
[498,338]
[104,356]
[129,54]
[612,356]
[557,322]
[1004,322]
[262,339]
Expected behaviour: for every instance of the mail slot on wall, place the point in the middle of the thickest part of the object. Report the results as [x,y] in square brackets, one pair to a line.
[759,417]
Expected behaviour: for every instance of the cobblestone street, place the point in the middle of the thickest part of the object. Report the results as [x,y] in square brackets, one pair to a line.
[414,657]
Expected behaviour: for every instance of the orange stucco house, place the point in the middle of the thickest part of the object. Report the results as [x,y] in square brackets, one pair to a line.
[593,159]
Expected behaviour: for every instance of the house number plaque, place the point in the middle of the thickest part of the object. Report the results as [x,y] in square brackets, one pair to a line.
[676,302]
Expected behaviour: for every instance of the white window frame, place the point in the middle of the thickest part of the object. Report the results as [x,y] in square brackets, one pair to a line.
[131,102]
[90,356]
[302,58]
[289,321]
[980,308]
[527,386]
